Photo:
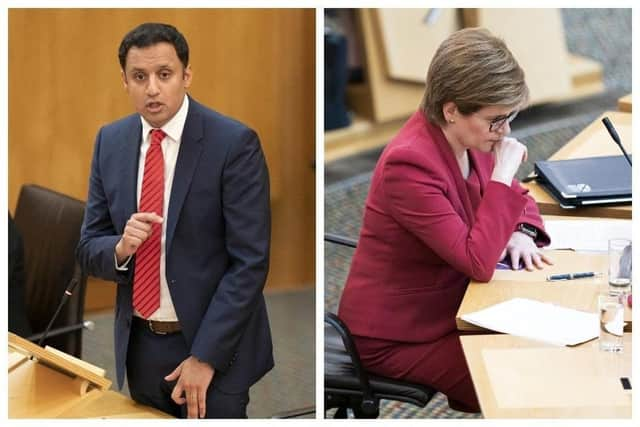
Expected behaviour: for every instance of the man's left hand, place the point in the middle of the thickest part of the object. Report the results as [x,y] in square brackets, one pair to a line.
[193,378]
[521,246]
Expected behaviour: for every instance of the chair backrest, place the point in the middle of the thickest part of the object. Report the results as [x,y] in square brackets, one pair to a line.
[50,226]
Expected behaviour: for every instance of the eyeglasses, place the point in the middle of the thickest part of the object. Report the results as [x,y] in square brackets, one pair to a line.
[497,123]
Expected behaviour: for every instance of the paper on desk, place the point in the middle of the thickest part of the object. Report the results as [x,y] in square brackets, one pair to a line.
[586,235]
[537,320]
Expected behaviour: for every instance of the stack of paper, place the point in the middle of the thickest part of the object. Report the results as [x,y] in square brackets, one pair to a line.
[537,320]
[586,235]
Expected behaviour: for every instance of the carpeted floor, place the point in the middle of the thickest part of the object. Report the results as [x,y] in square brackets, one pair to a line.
[602,34]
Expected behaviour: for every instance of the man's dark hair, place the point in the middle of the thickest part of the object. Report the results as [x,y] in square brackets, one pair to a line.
[151,33]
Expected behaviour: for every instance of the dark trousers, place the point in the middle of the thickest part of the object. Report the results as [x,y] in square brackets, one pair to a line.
[151,357]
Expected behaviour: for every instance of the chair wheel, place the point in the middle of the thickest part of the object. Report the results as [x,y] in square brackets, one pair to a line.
[369,409]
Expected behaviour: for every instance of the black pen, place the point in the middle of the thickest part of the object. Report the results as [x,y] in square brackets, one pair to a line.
[571,276]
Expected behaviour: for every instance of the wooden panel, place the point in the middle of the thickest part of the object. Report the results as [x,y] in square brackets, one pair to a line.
[580,294]
[384,99]
[361,135]
[111,404]
[410,39]
[257,65]
[536,39]
[625,103]
[48,386]
[37,391]
[60,361]
[519,378]
[556,77]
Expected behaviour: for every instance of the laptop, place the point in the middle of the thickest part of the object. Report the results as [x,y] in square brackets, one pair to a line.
[591,181]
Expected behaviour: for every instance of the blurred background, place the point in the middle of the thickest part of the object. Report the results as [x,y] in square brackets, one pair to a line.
[256,65]
[577,64]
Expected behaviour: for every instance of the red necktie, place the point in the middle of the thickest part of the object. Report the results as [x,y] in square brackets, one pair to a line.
[146,282]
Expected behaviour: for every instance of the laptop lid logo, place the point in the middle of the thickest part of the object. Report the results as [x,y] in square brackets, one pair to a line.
[579,188]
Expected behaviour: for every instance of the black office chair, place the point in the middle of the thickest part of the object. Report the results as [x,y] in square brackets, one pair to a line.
[49,223]
[347,385]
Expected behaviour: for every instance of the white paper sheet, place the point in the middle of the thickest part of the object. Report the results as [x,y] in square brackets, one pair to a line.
[537,320]
[586,235]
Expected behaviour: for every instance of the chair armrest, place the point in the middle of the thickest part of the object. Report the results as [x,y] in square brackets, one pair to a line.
[351,349]
[340,240]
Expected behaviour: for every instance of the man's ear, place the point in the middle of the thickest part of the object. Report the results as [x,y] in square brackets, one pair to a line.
[187,75]
[124,79]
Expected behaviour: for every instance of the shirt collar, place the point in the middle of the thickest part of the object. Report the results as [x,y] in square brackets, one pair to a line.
[174,127]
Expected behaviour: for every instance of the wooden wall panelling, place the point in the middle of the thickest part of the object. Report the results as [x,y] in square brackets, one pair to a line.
[410,38]
[384,99]
[536,39]
[395,72]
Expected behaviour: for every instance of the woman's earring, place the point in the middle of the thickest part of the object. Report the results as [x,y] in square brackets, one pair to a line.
[451,121]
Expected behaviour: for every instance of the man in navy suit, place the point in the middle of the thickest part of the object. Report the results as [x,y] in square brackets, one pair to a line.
[192,329]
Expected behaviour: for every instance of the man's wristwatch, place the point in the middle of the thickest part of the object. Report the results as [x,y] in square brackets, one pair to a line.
[529,230]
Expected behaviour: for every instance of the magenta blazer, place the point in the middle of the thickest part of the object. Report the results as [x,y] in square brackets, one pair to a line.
[421,239]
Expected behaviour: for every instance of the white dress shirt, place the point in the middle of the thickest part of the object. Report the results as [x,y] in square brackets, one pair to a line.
[170,147]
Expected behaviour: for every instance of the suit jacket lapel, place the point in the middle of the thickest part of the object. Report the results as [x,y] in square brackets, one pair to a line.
[482,172]
[452,165]
[130,154]
[188,156]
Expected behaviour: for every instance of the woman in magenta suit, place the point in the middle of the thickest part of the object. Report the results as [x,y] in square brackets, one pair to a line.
[443,208]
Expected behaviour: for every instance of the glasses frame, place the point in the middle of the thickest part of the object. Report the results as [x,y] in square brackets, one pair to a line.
[497,123]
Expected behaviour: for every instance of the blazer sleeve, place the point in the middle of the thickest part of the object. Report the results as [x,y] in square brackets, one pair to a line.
[247,219]
[419,199]
[98,237]
[531,215]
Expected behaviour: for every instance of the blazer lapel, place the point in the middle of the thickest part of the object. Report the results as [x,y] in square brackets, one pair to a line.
[188,156]
[452,165]
[129,156]
[482,172]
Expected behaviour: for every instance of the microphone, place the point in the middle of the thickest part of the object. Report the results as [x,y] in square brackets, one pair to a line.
[615,137]
[67,293]
[87,324]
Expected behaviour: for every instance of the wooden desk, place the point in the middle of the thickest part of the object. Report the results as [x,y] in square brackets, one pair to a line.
[593,141]
[56,385]
[520,378]
[624,103]
[581,294]
[111,404]
[37,391]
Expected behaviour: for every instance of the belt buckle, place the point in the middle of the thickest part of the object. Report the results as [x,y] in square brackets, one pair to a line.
[150,323]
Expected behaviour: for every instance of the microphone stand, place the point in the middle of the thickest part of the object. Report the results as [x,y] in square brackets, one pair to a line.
[87,324]
[67,293]
[616,138]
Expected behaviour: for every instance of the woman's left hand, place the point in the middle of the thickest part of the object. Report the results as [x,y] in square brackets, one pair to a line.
[521,246]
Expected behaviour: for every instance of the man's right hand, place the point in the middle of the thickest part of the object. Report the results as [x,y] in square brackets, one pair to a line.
[137,230]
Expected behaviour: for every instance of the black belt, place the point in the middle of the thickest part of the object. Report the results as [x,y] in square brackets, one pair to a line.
[159,327]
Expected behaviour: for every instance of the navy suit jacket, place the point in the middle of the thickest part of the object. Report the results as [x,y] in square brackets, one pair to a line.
[217,240]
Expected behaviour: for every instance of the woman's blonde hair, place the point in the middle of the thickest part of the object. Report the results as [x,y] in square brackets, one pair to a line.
[473,69]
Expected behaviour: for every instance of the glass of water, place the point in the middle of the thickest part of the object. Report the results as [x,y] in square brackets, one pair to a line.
[619,266]
[611,311]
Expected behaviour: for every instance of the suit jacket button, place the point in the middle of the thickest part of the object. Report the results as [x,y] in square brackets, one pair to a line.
[172,282]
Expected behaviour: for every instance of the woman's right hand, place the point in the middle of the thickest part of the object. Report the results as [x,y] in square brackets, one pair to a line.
[509,154]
